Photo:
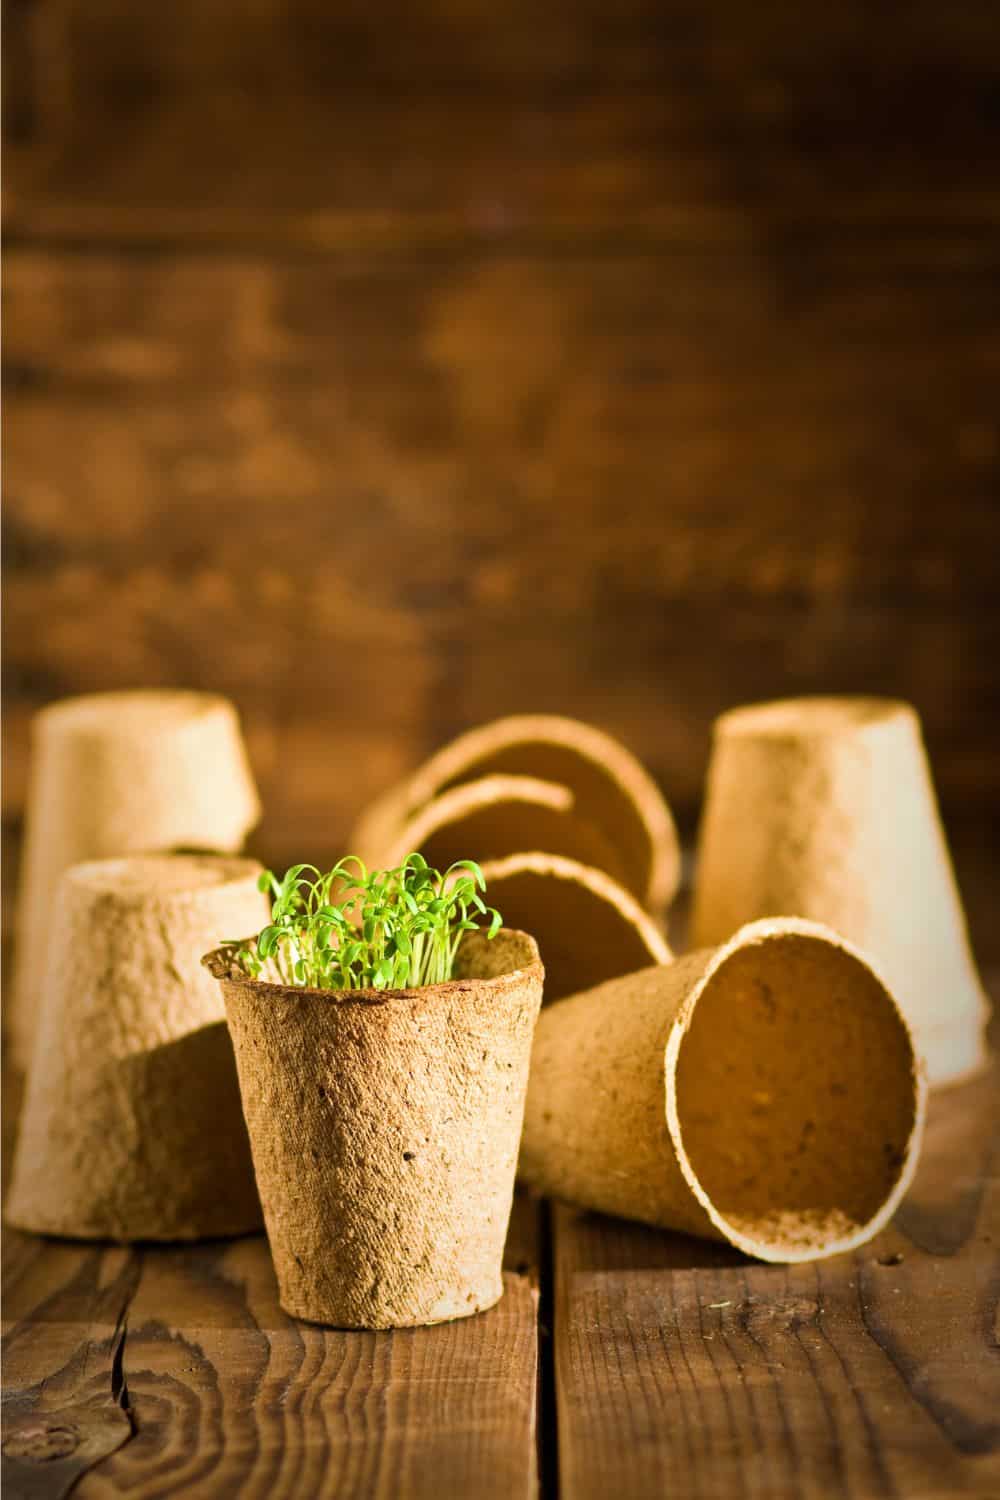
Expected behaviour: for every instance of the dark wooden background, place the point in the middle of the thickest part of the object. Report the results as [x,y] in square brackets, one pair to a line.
[390,367]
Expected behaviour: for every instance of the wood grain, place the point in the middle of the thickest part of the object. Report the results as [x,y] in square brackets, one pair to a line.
[323,127]
[378,501]
[224,1395]
[684,1369]
[65,1401]
[389,371]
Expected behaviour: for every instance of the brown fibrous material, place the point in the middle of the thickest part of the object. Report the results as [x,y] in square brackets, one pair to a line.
[115,774]
[588,927]
[385,1129]
[618,805]
[766,1092]
[498,816]
[131,1126]
[824,808]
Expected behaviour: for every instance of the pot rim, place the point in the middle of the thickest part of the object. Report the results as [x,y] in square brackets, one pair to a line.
[610,755]
[471,797]
[220,962]
[566,870]
[763,930]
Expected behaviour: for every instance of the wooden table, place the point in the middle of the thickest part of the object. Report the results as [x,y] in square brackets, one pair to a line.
[621,1362]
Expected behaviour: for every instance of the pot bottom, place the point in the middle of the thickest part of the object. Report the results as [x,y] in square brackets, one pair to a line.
[448,1310]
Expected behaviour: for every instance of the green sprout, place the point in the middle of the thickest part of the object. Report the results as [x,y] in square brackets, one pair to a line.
[350,930]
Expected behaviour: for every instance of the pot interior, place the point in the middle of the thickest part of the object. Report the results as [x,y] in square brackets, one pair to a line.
[795,1092]
[600,798]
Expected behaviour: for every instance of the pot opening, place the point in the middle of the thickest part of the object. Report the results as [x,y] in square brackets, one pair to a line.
[597,793]
[479,957]
[794,1094]
[587,932]
[500,816]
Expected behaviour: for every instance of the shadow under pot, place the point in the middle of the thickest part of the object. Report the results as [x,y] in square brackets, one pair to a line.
[384,1127]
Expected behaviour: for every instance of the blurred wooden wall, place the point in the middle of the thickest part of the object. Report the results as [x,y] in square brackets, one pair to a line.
[389,367]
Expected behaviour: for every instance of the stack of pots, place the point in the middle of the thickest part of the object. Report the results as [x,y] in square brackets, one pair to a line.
[131,1127]
[713,1094]
[115,774]
[575,838]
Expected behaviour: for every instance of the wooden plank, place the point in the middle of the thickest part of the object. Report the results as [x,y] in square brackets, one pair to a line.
[225,1395]
[324,126]
[683,1369]
[377,503]
[65,1403]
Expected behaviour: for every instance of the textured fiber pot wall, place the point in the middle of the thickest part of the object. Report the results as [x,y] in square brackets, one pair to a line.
[385,1129]
[132,1126]
[114,774]
[766,1092]
[587,926]
[824,808]
[497,816]
[615,800]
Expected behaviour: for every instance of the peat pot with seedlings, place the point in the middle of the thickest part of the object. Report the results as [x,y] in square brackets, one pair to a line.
[382,1024]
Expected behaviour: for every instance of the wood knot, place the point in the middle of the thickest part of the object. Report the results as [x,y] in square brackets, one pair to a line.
[41,1442]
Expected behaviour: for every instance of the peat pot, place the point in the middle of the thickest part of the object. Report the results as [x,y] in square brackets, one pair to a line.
[587,926]
[824,808]
[131,1127]
[384,1126]
[766,1093]
[116,774]
[537,781]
